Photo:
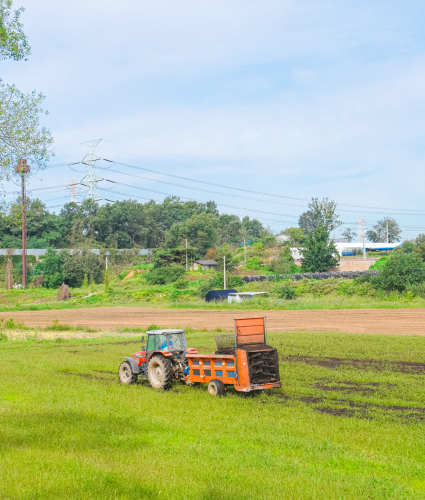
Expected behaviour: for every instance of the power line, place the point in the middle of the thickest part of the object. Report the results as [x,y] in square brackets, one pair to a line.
[197,189]
[241,189]
[38,189]
[250,190]
[374,188]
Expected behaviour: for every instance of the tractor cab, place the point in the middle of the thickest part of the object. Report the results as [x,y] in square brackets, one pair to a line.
[165,341]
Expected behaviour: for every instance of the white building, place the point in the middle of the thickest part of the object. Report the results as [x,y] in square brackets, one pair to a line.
[346,249]
[282,237]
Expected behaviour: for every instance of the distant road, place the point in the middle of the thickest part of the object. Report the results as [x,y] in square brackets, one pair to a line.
[378,321]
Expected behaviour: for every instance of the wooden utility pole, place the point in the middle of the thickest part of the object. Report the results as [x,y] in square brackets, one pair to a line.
[224,273]
[22,169]
[244,252]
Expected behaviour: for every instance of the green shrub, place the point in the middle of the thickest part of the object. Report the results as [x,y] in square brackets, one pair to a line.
[346,287]
[133,330]
[164,275]
[287,293]
[3,337]
[55,280]
[10,324]
[122,275]
[58,327]
[204,287]
[153,327]
[418,290]
[379,264]
[283,263]
[401,272]
[235,282]
[217,283]
[254,263]
[180,284]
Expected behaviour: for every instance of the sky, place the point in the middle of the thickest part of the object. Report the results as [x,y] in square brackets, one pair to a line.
[283,100]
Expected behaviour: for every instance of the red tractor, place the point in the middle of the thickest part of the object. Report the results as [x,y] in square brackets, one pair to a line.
[243,360]
[161,360]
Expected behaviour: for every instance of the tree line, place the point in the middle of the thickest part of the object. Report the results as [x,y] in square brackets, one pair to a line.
[127,224]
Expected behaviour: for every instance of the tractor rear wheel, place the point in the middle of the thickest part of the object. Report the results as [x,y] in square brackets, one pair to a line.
[216,388]
[125,374]
[160,373]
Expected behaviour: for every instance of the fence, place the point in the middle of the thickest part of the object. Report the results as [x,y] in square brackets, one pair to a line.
[312,276]
[42,251]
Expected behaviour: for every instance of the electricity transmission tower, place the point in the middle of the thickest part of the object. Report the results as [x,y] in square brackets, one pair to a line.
[91,179]
[72,186]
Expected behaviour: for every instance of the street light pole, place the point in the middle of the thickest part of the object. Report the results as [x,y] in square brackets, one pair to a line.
[22,168]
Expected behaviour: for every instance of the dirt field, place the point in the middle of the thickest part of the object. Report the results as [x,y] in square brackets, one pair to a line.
[378,321]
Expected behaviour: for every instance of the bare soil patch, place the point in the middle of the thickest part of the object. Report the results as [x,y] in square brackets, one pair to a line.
[360,364]
[374,321]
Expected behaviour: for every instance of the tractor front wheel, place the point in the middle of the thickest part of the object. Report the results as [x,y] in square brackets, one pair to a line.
[125,374]
[216,388]
[160,373]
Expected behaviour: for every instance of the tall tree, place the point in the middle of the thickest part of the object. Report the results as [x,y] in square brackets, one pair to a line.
[420,238]
[200,230]
[379,232]
[319,253]
[13,42]
[349,234]
[319,213]
[21,135]
[296,234]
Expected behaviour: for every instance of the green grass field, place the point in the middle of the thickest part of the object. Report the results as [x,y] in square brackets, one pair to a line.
[348,423]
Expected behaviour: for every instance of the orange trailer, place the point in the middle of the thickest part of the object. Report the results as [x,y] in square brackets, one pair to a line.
[243,360]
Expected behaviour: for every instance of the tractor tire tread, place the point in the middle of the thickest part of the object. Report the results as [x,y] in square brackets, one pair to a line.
[168,372]
[132,379]
[220,387]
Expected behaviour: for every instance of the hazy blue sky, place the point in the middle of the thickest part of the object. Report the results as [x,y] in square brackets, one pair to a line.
[295,98]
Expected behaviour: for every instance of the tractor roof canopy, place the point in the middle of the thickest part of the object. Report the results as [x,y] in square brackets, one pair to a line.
[165,332]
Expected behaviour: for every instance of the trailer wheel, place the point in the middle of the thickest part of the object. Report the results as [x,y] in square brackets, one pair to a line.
[160,373]
[125,374]
[216,388]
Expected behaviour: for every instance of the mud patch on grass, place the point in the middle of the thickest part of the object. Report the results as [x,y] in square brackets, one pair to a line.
[338,412]
[361,410]
[348,386]
[110,373]
[122,342]
[344,388]
[84,375]
[360,364]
